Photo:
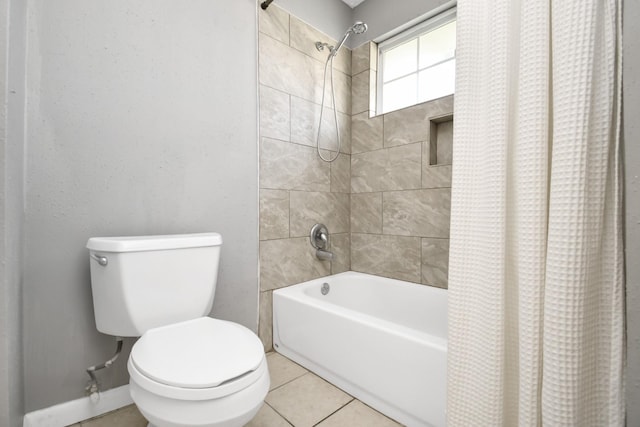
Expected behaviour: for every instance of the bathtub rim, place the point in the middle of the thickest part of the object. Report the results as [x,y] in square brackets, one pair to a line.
[296,292]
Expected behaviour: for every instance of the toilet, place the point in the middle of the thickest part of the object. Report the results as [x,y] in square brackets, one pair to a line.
[187,369]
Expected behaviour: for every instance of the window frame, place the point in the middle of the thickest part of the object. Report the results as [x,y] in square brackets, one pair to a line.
[432,22]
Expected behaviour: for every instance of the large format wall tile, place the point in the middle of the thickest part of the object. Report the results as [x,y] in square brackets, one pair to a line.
[275,23]
[397,168]
[340,173]
[435,176]
[412,124]
[397,257]
[361,85]
[289,261]
[366,213]
[274,214]
[341,248]
[435,262]
[274,114]
[422,213]
[405,126]
[342,88]
[289,70]
[309,208]
[364,57]
[304,38]
[360,59]
[366,133]
[305,117]
[265,320]
[288,166]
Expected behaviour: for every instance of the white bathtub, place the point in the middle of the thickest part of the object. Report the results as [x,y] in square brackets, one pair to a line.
[383,341]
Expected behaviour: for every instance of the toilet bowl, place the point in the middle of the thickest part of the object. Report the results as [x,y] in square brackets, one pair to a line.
[186,369]
[202,372]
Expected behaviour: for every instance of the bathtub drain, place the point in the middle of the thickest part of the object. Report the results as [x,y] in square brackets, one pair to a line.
[325,288]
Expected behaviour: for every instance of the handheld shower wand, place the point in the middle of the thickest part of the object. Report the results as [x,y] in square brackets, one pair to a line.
[358,28]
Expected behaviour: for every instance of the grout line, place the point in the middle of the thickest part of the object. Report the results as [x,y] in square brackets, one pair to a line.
[336,411]
[293,379]
[383,120]
[279,414]
[391,147]
[290,210]
[397,235]
[382,211]
[274,88]
[288,29]
[422,146]
[290,115]
[403,190]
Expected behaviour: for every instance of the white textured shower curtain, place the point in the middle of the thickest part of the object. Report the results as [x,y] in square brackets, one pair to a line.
[536,320]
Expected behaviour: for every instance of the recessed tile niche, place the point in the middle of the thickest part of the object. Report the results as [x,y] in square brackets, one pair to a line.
[440,140]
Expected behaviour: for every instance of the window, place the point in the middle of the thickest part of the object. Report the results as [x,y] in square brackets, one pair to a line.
[418,64]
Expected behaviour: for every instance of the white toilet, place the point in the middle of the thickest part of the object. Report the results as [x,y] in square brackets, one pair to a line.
[186,369]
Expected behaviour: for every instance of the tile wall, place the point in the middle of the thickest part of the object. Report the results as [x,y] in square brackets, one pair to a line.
[385,200]
[297,189]
[400,182]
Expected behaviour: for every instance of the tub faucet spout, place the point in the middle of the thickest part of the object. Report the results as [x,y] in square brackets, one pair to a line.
[324,255]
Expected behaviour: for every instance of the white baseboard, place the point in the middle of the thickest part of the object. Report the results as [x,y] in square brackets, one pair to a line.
[78,410]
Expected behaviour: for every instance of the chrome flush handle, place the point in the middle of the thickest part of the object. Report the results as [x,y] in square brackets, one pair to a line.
[102,260]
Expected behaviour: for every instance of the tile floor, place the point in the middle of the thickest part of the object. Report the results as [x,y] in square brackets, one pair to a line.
[297,398]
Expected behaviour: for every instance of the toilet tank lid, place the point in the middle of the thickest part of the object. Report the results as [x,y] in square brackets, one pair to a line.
[153,243]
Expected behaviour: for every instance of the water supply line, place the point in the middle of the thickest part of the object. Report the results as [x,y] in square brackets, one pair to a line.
[93,387]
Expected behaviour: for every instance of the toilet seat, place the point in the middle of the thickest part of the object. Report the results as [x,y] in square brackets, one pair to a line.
[198,359]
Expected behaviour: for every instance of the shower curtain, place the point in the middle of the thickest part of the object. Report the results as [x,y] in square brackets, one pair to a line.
[536,286]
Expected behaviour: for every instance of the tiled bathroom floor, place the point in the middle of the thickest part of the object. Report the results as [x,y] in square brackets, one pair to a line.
[296,398]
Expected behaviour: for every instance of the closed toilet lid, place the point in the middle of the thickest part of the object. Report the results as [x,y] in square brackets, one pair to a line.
[199,353]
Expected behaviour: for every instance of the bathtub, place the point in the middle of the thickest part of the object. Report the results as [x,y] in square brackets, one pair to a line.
[381,340]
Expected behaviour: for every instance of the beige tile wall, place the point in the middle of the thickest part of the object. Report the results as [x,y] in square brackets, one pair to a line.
[385,200]
[400,183]
[297,189]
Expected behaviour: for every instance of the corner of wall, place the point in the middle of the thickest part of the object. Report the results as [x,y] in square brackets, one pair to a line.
[12,50]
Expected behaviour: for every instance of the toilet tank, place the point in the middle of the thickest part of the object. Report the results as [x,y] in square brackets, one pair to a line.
[143,282]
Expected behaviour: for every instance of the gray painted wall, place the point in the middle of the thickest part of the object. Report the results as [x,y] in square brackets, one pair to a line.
[332,17]
[631,90]
[6,330]
[11,208]
[141,119]
[383,16]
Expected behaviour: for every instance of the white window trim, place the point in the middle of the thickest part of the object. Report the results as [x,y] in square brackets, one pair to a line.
[438,18]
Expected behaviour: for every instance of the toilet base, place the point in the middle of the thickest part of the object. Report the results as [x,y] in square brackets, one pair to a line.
[234,410]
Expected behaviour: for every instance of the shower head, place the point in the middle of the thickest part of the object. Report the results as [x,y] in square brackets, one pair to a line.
[358,27]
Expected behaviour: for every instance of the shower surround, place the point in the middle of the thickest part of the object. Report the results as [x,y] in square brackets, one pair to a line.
[385,200]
